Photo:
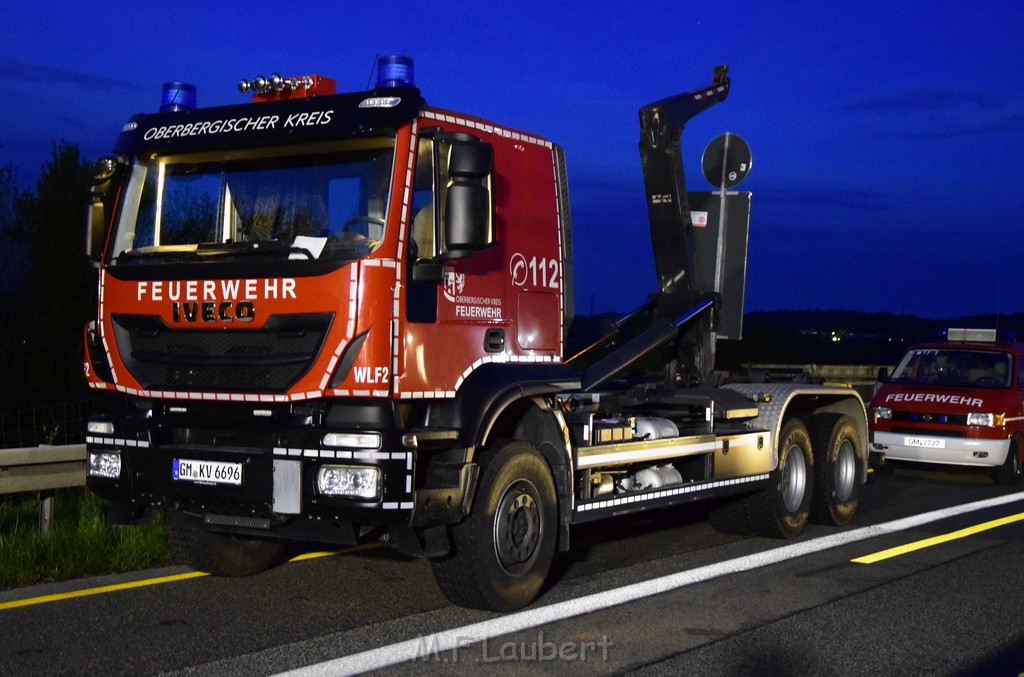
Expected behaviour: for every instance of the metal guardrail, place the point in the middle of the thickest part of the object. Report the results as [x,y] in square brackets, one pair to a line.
[42,469]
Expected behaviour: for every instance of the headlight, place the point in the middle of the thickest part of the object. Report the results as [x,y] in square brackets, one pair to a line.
[352,440]
[344,480]
[105,464]
[990,420]
[883,413]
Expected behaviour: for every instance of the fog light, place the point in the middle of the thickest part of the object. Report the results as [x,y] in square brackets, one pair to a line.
[105,464]
[343,480]
[100,427]
[352,440]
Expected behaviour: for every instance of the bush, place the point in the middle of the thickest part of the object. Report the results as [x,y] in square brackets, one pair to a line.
[80,542]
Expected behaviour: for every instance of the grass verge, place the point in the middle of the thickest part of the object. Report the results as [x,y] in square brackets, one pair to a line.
[80,542]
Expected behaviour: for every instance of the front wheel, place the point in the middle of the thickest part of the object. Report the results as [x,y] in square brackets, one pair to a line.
[781,510]
[1008,474]
[503,549]
[220,554]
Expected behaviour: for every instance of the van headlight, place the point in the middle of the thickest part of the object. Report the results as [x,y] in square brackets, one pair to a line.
[988,420]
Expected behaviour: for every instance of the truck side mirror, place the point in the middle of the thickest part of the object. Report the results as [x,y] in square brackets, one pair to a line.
[883,374]
[468,220]
[95,220]
[96,215]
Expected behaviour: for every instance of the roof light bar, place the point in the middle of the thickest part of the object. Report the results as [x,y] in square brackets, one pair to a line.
[276,87]
[275,83]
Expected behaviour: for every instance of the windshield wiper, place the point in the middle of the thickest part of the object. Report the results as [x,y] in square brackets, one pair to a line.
[261,248]
[210,249]
[155,254]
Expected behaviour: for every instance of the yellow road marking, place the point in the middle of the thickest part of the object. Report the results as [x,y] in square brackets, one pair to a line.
[935,540]
[104,589]
[329,553]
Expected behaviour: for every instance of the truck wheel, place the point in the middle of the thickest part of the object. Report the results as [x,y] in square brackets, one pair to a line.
[1008,474]
[837,459]
[220,554]
[503,549]
[781,510]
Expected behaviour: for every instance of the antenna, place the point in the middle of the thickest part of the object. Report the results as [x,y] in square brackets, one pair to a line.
[373,68]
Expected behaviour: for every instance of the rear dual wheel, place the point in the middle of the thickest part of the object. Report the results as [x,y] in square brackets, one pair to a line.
[838,457]
[782,510]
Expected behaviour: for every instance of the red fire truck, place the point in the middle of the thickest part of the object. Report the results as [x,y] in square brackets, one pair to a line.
[333,318]
[956,402]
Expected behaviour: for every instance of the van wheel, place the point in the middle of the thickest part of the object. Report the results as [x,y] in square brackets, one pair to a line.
[503,549]
[220,554]
[1008,474]
[781,511]
[838,451]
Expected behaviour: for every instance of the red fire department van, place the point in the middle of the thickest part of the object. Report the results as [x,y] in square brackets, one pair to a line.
[959,402]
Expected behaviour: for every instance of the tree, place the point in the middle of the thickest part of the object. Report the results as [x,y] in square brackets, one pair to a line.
[52,302]
[11,273]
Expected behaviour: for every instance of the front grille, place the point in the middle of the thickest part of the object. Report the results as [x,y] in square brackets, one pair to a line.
[269,359]
[922,417]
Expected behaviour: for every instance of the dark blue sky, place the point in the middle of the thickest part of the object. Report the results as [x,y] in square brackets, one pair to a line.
[886,136]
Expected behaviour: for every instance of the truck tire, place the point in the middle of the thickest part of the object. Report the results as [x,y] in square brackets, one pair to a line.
[1008,474]
[781,511]
[220,554]
[503,549]
[838,453]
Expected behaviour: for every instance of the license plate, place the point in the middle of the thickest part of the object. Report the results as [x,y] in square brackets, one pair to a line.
[206,472]
[930,442]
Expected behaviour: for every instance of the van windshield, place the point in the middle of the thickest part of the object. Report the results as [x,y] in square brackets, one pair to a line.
[309,203]
[955,366]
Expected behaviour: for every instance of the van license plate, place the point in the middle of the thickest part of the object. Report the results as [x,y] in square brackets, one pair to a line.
[930,442]
[206,472]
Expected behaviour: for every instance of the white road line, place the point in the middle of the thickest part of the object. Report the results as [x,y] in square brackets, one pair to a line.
[456,638]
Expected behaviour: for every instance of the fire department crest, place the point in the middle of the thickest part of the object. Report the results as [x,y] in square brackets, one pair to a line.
[454,283]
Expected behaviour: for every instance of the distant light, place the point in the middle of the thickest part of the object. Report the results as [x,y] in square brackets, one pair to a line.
[178,96]
[394,70]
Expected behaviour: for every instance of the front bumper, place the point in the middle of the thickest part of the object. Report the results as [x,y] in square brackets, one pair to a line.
[936,449]
[278,494]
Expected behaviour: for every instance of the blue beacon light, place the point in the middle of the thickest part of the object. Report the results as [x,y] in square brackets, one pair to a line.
[394,70]
[178,96]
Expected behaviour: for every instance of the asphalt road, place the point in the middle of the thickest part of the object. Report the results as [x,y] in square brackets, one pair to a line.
[663,594]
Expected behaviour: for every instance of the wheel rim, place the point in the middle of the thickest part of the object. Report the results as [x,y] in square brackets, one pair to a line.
[517,527]
[794,479]
[845,471]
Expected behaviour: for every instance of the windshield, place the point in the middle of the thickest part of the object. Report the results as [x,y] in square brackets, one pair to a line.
[307,203]
[955,366]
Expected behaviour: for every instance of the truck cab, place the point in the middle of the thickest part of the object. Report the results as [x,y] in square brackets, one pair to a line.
[958,402]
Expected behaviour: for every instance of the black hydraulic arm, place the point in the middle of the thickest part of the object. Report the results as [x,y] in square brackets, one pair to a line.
[661,127]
